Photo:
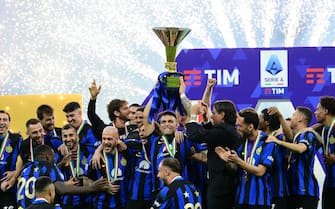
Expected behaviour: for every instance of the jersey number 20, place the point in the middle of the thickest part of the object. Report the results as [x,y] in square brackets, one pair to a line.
[26,188]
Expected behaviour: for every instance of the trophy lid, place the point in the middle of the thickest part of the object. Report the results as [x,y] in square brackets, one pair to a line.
[171,36]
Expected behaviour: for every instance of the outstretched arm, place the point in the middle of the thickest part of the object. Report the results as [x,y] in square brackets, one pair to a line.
[149,127]
[97,123]
[62,188]
[298,148]
[207,96]
[285,127]
[94,90]
[184,99]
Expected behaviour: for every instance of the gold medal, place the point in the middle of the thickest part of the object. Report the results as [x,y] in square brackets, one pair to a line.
[84,161]
[327,138]
[245,175]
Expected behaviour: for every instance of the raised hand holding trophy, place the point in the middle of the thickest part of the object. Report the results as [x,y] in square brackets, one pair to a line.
[166,91]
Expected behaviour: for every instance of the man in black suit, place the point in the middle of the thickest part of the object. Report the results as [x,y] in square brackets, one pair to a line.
[218,129]
[45,194]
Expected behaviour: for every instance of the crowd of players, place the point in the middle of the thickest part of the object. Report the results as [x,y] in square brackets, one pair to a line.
[231,159]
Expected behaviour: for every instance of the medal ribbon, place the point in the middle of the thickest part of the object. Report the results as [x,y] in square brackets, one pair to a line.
[326,144]
[116,165]
[4,143]
[126,129]
[161,95]
[253,149]
[171,148]
[80,128]
[75,170]
[145,154]
[32,149]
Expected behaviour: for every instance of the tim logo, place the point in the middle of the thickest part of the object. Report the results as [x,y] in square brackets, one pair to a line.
[331,70]
[274,91]
[192,77]
[224,77]
[315,76]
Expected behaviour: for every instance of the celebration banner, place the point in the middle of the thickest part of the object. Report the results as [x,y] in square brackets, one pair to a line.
[247,75]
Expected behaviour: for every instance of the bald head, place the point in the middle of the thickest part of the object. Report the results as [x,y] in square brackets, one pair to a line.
[110,137]
[110,129]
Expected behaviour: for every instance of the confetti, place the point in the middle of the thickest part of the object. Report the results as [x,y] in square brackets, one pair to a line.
[59,46]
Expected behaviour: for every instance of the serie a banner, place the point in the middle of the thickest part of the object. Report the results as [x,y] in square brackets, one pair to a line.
[246,75]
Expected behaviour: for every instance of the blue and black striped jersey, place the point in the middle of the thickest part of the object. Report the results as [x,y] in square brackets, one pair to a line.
[77,199]
[279,187]
[197,171]
[25,151]
[140,183]
[159,152]
[9,156]
[103,199]
[87,139]
[301,179]
[330,168]
[252,189]
[180,194]
[26,181]
[10,153]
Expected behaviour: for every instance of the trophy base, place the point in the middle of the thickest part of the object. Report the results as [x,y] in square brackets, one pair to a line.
[171,80]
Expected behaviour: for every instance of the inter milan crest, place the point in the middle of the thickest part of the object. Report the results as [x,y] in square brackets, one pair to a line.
[144,165]
[123,161]
[119,172]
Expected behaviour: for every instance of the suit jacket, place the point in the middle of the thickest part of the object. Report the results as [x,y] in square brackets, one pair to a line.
[222,181]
